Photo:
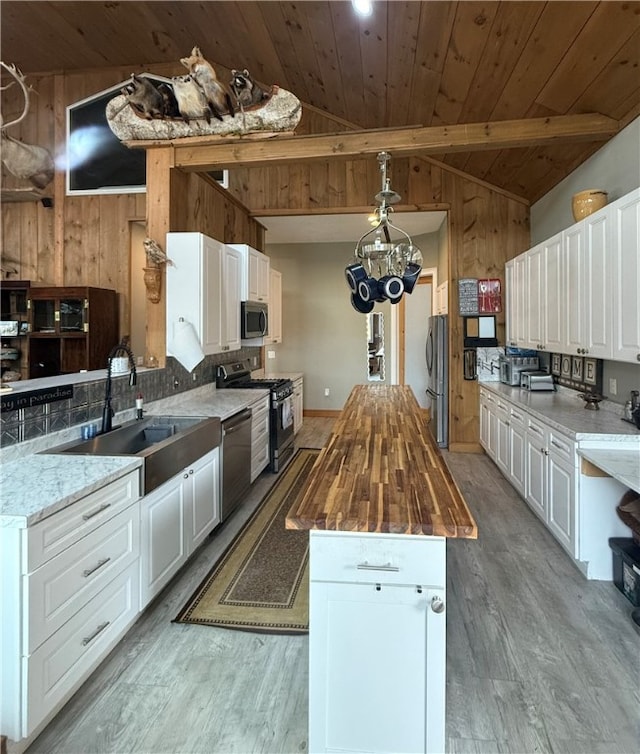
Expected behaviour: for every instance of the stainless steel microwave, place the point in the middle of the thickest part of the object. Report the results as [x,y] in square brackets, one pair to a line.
[254,318]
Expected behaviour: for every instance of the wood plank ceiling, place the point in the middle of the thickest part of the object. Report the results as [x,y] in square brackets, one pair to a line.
[408,64]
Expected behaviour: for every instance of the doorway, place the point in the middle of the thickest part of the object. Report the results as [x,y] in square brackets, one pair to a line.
[413,315]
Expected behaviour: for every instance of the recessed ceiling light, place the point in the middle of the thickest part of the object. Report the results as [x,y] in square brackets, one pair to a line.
[362,7]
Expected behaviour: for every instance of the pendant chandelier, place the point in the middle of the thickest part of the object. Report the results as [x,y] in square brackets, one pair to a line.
[383,267]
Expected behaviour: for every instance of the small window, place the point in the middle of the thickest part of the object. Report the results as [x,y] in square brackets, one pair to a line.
[96,160]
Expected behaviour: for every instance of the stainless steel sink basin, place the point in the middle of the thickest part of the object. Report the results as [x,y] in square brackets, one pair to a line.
[167,444]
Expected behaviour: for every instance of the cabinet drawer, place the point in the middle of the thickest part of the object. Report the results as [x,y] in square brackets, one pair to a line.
[63,662]
[53,535]
[562,447]
[367,558]
[61,587]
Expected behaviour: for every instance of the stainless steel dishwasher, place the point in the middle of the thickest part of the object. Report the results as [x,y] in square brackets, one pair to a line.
[235,461]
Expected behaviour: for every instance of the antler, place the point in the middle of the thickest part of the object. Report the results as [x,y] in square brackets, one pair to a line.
[18,76]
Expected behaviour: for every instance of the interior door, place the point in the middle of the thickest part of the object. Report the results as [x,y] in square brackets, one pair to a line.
[417,310]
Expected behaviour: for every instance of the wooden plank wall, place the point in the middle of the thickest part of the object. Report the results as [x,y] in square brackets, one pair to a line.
[486,228]
[86,239]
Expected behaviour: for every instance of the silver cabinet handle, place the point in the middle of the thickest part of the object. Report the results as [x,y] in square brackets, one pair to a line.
[387,567]
[87,516]
[437,605]
[100,563]
[98,630]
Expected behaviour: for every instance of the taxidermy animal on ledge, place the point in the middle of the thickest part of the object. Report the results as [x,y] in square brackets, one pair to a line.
[27,161]
[217,94]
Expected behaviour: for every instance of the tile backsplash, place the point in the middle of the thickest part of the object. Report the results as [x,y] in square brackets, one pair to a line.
[88,397]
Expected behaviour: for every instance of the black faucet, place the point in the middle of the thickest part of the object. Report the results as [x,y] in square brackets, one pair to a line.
[107,411]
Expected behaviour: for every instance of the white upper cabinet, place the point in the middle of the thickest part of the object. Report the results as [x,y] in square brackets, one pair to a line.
[588,285]
[275,308]
[577,293]
[625,220]
[254,284]
[203,288]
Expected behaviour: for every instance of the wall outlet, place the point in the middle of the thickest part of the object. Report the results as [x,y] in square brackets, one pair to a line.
[613,386]
[327,392]
[194,376]
[271,354]
[139,361]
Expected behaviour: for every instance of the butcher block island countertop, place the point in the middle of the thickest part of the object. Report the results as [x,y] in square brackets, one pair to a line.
[380,471]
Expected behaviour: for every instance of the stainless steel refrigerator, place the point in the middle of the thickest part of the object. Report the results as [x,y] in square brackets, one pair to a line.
[437,356]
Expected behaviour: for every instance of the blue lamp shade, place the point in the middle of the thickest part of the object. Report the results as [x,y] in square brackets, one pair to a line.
[410,276]
[368,289]
[354,274]
[364,307]
[391,287]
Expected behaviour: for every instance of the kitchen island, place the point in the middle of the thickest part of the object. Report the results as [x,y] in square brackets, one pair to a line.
[380,504]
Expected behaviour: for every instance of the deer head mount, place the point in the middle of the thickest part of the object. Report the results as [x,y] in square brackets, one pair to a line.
[26,161]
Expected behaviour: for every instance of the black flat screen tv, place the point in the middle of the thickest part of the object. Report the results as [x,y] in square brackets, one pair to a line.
[96,160]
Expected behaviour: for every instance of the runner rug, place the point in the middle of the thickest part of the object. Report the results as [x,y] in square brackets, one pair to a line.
[261,583]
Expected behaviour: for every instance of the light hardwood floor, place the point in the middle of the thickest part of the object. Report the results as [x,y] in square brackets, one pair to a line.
[538,658]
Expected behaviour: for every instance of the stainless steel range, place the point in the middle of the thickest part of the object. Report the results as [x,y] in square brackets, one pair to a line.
[281,447]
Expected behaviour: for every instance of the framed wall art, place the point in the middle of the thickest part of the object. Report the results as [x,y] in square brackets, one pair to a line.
[577,368]
[592,372]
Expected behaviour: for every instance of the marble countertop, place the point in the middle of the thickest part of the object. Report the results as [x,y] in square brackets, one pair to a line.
[564,410]
[40,485]
[623,465]
[34,486]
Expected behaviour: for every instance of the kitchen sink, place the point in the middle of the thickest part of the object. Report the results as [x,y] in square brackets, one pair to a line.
[167,444]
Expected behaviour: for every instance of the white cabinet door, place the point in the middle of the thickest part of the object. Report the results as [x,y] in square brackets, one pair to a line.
[509,302]
[519,330]
[597,303]
[536,469]
[298,405]
[588,287]
[376,643]
[535,298]
[552,281]
[626,301]
[484,420]
[503,459]
[163,541]
[232,271]
[201,291]
[259,437]
[203,498]
[363,633]
[275,308]
[561,502]
[254,278]
[517,444]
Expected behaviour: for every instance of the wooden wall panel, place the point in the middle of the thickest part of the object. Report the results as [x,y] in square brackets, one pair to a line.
[486,228]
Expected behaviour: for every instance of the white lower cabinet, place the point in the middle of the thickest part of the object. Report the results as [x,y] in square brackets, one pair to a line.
[576,503]
[259,436]
[69,590]
[550,487]
[376,643]
[298,404]
[175,519]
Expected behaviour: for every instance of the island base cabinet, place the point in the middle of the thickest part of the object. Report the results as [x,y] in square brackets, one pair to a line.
[377,643]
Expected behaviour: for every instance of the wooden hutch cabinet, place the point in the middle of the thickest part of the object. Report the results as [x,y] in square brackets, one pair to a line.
[14,329]
[71,328]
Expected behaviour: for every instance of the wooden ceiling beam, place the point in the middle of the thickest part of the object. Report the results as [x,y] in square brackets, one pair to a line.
[222,152]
